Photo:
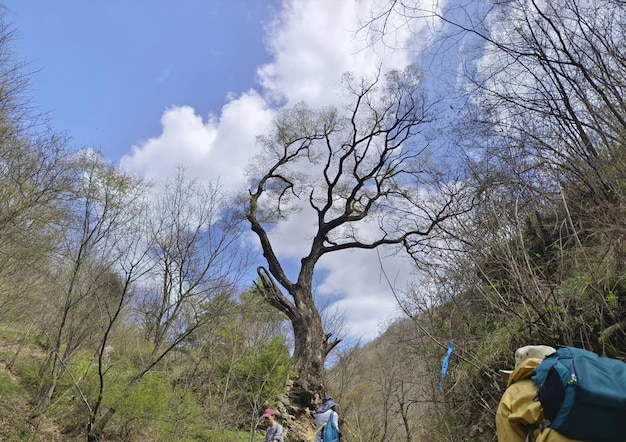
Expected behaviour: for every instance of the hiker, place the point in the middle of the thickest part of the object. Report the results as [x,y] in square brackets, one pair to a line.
[322,416]
[274,431]
[519,416]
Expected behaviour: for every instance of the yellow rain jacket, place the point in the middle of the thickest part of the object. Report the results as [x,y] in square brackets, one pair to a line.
[517,409]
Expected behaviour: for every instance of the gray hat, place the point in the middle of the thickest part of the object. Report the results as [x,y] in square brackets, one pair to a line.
[526,352]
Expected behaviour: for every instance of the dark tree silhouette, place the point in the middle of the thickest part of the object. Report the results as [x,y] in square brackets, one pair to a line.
[367,180]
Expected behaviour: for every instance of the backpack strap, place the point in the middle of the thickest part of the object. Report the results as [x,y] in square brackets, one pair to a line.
[321,428]
[530,430]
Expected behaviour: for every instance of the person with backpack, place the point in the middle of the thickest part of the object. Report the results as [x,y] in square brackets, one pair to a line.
[327,422]
[583,394]
[519,416]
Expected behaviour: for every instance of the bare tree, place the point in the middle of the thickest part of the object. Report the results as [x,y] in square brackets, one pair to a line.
[547,78]
[543,253]
[366,177]
[96,215]
[551,92]
[113,298]
[181,264]
[194,245]
[35,172]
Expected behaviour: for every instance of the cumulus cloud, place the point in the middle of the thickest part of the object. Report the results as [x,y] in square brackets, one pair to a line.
[215,148]
[312,44]
[361,290]
[184,135]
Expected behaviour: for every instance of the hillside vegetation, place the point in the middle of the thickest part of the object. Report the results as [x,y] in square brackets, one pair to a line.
[541,257]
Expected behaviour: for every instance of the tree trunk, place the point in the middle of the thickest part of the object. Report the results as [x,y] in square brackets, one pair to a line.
[311,343]
[44,394]
[309,356]
[95,429]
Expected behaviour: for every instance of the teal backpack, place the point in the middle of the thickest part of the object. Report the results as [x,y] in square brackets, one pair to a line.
[583,395]
[330,432]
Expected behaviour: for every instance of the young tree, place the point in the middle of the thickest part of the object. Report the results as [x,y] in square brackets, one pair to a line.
[182,279]
[34,175]
[367,180]
[246,358]
[195,247]
[96,216]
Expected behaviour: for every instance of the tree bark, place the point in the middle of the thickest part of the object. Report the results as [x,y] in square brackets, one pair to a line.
[94,432]
[311,343]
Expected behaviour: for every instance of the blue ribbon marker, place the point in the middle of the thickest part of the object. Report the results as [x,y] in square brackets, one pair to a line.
[444,366]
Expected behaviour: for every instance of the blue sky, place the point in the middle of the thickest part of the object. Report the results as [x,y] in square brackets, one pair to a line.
[106,70]
[155,84]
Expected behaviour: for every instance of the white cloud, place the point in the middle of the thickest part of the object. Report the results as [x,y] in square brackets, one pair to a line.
[211,149]
[184,138]
[359,278]
[313,43]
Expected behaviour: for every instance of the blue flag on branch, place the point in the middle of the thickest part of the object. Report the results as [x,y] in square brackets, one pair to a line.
[444,366]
